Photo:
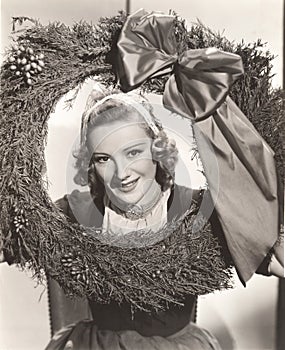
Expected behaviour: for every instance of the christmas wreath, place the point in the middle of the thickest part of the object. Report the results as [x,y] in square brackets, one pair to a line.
[43,64]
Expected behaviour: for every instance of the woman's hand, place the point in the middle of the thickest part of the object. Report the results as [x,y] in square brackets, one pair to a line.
[275,268]
[276,265]
[279,250]
[2,258]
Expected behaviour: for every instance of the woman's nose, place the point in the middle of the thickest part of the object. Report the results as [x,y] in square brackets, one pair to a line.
[122,170]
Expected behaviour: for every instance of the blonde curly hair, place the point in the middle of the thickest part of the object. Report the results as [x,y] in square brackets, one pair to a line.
[112,108]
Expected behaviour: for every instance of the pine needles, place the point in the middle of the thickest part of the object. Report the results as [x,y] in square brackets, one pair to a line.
[35,232]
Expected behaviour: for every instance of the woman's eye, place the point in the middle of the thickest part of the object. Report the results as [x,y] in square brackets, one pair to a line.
[101,159]
[134,152]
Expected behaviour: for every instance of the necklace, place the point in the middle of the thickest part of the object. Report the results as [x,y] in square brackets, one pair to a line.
[137,211]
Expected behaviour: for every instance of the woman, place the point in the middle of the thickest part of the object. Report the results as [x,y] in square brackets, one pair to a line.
[129,164]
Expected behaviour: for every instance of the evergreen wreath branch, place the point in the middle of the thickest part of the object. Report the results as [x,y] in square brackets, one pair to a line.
[36,234]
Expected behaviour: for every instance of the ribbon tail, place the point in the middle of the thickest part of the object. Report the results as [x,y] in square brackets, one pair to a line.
[241,174]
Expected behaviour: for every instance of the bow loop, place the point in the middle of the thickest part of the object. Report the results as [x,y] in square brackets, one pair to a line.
[146,46]
[202,81]
[156,32]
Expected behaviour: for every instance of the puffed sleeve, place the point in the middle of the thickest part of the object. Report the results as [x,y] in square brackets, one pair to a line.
[63,205]
[80,207]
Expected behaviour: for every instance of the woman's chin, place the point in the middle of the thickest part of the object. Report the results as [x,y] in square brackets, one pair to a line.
[124,199]
[129,199]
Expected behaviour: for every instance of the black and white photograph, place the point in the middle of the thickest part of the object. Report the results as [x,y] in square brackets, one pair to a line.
[142,175]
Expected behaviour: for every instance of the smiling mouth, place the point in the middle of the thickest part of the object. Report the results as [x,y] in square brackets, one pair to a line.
[128,186]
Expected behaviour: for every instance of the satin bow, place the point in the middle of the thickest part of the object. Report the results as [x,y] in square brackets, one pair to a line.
[245,188]
[200,76]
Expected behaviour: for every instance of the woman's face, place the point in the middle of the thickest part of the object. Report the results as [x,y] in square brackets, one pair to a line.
[123,160]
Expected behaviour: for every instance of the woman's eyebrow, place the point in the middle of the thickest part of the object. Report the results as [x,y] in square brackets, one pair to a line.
[135,145]
[100,153]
